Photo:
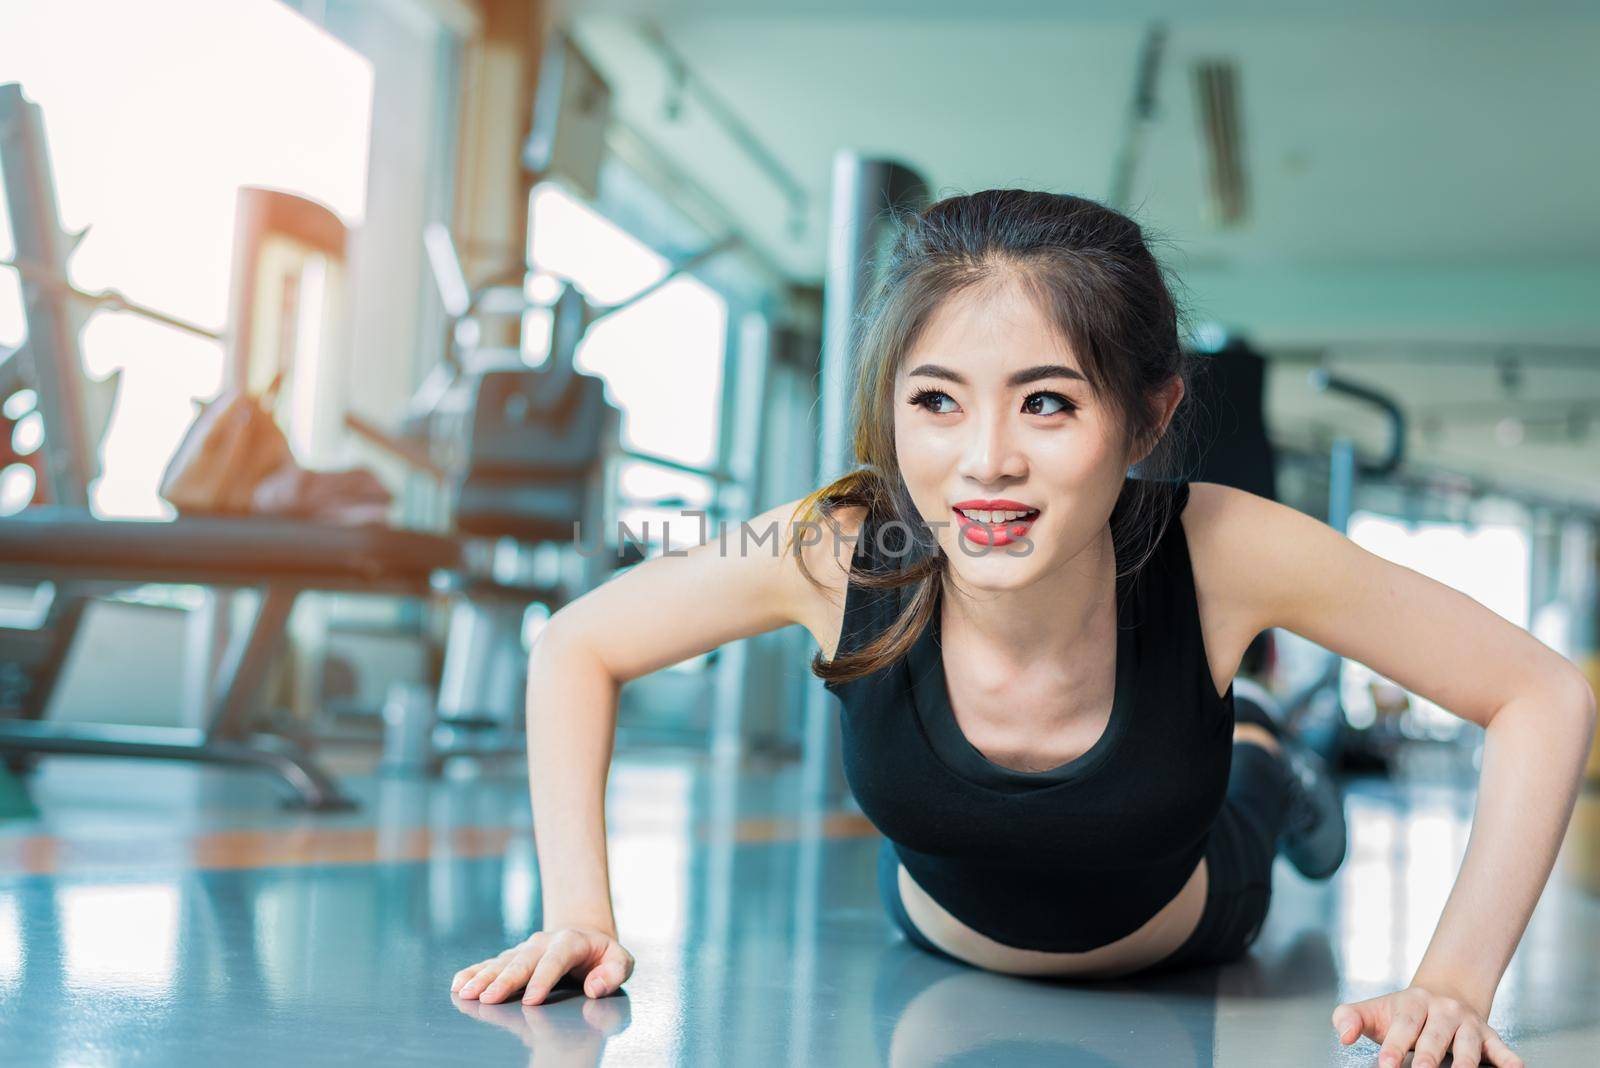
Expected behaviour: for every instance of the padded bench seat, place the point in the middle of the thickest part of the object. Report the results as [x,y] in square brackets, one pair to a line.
[62,543]
[282,557]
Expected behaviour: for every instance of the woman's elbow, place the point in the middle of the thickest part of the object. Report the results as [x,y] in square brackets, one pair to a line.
[1585,701]
[1571,715]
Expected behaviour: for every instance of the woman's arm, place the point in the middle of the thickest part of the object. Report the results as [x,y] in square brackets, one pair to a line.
[572,717]
[662,611]
[1287,569]
[1533,757]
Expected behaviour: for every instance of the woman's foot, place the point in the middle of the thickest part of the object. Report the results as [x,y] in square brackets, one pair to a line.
[1314,835]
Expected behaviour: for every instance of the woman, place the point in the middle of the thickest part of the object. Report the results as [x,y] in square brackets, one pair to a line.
[1034,652]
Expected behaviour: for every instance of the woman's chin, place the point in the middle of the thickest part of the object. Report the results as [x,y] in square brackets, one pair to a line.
[995,568]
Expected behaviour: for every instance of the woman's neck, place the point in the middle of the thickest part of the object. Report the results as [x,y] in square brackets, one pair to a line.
[1054,621]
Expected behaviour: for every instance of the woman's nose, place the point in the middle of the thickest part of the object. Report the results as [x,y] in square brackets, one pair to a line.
[991,453]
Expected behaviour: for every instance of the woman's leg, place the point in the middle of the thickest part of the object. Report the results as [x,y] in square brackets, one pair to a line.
[1242,847]
[1313,836]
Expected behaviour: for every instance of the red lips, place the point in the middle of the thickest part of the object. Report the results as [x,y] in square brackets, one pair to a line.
[994,534]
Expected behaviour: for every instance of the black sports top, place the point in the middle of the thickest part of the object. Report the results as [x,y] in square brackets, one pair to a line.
[1061,860]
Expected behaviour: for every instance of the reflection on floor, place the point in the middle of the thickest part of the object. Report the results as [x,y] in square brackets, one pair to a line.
[157,914]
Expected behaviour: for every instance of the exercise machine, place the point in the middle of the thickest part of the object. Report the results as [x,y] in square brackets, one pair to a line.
[68,555]
[1232,446]
[528,455]
[1316,708]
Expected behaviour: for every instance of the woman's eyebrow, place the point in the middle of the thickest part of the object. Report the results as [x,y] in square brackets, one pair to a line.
[1019,378]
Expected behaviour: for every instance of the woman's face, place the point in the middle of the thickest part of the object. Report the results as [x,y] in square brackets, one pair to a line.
[993,413]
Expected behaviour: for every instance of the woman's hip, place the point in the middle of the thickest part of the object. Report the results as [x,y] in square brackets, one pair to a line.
[930,926]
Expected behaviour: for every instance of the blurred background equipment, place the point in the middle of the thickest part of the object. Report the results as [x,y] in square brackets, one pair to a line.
[1231,442]
[866,195]
[1317,709]
[49,366]
[523,453]
[534,449]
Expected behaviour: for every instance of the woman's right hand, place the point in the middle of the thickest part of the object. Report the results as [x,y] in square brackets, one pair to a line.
[538,963]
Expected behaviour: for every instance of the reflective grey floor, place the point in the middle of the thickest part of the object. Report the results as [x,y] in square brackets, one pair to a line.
[157,914]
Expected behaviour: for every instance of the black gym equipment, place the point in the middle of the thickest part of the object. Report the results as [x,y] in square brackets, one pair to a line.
[515,447]
[1231,446]
[1329,733]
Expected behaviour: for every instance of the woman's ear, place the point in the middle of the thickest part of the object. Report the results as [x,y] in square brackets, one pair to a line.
[1168,402]
[1164,405]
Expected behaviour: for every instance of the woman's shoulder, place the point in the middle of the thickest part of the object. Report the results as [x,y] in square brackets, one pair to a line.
[1233,538]
[1208,514]
[1201,515]
[828,548]
[1217,523]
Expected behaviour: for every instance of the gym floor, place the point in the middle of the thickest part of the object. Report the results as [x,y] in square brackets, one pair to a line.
[158,913]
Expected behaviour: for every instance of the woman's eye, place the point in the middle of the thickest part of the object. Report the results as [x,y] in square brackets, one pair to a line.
[1064,405]
[926,398]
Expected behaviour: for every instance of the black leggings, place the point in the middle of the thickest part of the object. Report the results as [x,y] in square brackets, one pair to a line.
[1239,859]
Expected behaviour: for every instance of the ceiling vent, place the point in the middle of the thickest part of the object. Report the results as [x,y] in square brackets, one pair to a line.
[1216,84]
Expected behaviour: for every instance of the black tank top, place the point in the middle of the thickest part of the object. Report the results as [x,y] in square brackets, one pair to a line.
[1061,860]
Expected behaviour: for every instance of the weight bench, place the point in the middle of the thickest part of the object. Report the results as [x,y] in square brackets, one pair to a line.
[280,558]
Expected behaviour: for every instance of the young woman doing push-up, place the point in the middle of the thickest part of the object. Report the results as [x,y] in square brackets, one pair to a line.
[1034,653]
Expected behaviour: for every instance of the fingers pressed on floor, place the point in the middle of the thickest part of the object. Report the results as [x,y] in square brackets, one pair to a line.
[1466,1050]
[512,977]
[480,979]
[1433,1041]
[1401,1036]
[557,961]
[1499,1053]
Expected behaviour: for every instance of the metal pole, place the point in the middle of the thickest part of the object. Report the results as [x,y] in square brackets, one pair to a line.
[52,345]
[865,193]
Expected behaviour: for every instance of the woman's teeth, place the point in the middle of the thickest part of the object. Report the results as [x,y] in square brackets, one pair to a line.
[995,517]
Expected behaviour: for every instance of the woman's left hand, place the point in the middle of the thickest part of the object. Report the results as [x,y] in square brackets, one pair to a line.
[1430,1023]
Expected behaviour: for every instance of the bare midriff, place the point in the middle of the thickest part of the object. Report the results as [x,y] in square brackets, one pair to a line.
[1155,940]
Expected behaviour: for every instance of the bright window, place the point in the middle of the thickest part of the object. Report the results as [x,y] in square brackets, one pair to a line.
[1490,564]
[155,113]
[662,358]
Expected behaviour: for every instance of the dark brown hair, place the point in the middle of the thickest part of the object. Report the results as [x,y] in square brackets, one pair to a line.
[1091,272]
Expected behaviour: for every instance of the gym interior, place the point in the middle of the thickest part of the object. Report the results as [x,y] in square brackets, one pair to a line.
[326,325]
